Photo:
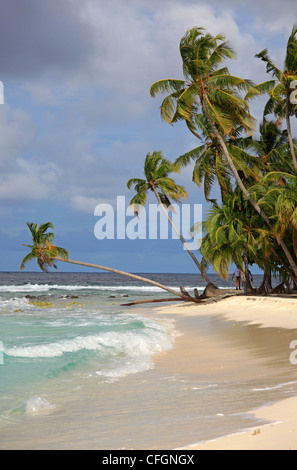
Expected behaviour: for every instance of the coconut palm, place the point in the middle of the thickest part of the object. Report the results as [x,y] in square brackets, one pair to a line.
[215,93]
[210,164]
[205,85]
[279,95]
[47,253]
[233,235]
[271,147]
[278,193]
[156,179]
[43,249]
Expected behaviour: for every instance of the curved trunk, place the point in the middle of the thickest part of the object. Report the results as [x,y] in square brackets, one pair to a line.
[204,276]
[123,273]
[246,193]
[290,132]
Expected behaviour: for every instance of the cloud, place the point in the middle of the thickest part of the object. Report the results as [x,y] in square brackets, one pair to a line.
[39,37]
[17,132]
[29,181]
[78,119]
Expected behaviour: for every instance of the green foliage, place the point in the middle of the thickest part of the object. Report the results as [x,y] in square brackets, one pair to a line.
[206,81]
[156,178]
[43,248]
[257,216]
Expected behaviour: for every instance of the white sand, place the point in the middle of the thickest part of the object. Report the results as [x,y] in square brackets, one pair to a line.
[280,432]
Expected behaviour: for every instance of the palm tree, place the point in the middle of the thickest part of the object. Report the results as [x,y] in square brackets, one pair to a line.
[214,92]
[278,193]
[211,164]
[46,252]
[271,147]
[43,248]
[156,172]
[279,96]
[236,233]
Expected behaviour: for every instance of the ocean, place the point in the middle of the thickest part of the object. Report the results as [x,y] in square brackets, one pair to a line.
[80,370]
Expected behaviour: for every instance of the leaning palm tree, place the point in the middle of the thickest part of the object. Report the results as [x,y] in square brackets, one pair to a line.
[47,253]
[214,92]
[156,173]
[43,249]
[279,96]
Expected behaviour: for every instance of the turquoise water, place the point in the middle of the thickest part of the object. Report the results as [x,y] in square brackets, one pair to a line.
[71,327]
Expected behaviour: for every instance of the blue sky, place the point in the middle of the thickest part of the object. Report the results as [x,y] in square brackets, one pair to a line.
[78,120]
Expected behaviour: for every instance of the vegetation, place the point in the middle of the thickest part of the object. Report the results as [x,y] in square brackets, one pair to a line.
[255,220]
[156,172]
[47,253]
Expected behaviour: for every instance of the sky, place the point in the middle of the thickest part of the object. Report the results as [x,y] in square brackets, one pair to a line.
[78,120]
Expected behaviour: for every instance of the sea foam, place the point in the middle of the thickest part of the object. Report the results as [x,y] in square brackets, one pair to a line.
[130,343]
[37,405]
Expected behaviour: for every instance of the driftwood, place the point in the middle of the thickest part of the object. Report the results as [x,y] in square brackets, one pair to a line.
[210,291]
[186,298]
[196,294]
[184,292]
[176,299]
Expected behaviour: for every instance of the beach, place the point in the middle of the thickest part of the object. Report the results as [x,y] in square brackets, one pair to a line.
[279,429]
[82,371]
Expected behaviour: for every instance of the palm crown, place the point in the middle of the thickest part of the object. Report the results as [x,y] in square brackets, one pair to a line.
[43,248]
[156,172]
[280,89]
[206,83]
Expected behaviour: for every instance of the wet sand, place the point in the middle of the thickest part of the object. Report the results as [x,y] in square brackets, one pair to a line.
[278,317]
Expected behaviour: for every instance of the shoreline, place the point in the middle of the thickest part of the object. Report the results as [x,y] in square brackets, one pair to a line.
[278,430]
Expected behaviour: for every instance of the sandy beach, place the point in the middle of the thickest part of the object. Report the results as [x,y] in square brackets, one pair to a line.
[279,431]
[224,381]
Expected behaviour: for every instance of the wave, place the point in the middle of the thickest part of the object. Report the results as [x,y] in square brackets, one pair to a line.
[47,287]
[37,405]
[129,343]
[274,387]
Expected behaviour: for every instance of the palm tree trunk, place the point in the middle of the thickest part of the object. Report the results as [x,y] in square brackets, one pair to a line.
[133,276]
[248,287]
[290,132]
[204,276]
[246,193]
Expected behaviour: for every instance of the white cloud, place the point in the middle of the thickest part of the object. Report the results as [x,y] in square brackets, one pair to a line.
[17,133]
[85,204]
[29,181]
[99,120]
